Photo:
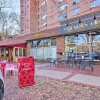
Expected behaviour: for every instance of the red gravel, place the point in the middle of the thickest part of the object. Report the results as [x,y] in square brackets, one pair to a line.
[48,89]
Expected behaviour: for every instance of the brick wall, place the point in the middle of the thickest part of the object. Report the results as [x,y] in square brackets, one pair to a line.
[28,49]
[60,46]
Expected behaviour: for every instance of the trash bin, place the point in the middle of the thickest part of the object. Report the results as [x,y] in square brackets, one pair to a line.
[26,71]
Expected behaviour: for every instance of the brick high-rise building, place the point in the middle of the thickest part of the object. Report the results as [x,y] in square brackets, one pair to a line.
[38,15]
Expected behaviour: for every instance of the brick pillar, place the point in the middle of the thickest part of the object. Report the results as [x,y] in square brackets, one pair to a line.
[28,49]
[60,46]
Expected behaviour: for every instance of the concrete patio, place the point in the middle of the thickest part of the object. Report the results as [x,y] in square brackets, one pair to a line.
[85,77]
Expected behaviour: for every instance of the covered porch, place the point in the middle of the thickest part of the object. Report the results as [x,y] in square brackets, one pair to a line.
[11,52]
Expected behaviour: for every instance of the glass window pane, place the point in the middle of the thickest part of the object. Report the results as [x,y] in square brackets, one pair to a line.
[53,42]
[16,52]
[24,52]
[63,7]
[20,51]
[62,17]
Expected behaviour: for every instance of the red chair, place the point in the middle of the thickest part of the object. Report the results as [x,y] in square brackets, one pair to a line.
[2,65]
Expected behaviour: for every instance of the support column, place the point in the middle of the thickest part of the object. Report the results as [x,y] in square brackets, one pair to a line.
[60,42]
[28,49]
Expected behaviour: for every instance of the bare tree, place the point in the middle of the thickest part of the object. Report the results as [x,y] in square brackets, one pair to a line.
[9,22]
[15,20]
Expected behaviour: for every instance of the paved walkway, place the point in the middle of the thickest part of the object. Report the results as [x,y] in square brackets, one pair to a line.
[42,65]
[66,75]
[53,74]
[86,79]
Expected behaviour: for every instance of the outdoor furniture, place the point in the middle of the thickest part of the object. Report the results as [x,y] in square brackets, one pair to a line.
[71,62]
[78,62]
[87,63]
[63,61]
[96,63]
[51,61]
[57,62]
[9,67]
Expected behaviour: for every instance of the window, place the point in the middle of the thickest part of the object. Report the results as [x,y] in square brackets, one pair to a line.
[38,16]
[16,52]
[94,3]
[44,9]
[38,3]
[43,2]
[38,9]
[63,7]
[2,52]
[53,42]
[40,43]
[47,43]
[75,2]
[62,17]
[44,24]
[76,11]
[7,52]
[24,52]
[33,43]
[38,23]
[20,51]
[44,17]
[61,0]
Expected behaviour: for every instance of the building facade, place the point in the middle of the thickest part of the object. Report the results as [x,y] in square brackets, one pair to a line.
[54,18]
[59,28]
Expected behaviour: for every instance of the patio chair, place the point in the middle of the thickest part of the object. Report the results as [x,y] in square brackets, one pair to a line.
[9,67]
[51,61]
[58,62]
[71,62]
[87,63]
[78,63]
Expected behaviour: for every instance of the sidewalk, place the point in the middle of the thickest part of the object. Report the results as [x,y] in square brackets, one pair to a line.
[70,75]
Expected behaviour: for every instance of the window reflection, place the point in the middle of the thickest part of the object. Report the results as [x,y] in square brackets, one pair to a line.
[2,52]
[16,52]
[83,43]
[20,51]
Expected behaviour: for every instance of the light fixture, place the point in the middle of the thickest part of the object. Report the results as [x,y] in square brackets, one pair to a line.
[79,20]
[94,18]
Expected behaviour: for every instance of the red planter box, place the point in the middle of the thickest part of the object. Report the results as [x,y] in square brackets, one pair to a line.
[26,71]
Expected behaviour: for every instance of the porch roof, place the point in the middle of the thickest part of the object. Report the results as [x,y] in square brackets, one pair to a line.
[13,45]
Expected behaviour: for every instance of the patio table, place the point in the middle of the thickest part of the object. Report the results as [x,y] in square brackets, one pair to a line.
[60,61]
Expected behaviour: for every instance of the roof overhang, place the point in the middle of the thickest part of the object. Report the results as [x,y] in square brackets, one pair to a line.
[14,45]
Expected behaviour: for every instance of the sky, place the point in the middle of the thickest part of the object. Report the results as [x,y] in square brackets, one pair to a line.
[14,4]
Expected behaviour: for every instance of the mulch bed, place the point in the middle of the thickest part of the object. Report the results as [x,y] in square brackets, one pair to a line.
[48,89]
